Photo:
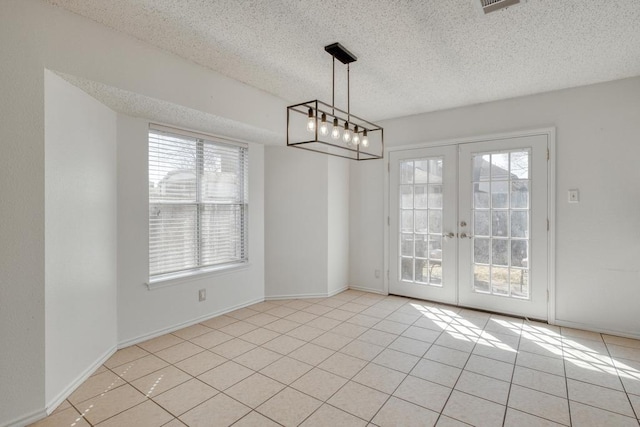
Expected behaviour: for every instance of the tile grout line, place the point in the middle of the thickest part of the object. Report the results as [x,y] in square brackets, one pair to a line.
[633,409]
[513,372]
[566,380]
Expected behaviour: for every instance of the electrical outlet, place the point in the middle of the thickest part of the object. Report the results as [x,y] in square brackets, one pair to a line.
[574,196]
[202,295]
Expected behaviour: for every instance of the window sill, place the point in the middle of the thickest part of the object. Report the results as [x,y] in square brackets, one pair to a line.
[179,278]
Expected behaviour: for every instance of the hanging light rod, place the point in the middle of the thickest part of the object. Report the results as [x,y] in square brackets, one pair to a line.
[350,136]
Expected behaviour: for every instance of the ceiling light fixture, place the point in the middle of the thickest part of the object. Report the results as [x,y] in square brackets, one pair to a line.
[350,136]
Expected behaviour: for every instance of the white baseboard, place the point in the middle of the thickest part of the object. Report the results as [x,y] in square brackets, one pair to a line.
[300,296]
[172,328]
[586,327]
[337,291]
[294,296]
[62,396]
[363,289]
[25,420]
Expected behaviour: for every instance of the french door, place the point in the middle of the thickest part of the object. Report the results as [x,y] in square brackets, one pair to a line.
[468,224]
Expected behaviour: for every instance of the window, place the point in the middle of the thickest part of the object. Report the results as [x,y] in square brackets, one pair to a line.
[197,203]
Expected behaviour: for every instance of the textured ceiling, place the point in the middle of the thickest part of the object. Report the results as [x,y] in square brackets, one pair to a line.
[167,113]
[413,56]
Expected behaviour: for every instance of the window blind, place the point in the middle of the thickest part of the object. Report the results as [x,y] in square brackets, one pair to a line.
[198,203]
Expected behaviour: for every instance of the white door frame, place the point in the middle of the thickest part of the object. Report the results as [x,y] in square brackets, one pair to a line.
[550,132]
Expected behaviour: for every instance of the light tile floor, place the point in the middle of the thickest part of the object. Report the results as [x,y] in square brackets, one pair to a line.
[359,359]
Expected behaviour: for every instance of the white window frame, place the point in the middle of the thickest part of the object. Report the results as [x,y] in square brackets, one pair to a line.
[199,271]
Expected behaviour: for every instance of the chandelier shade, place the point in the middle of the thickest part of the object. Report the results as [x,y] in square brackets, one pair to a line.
[324,128]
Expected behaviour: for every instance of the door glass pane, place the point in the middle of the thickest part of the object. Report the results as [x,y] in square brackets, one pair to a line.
[421,174]
[422,270]
[422,221]
[481,251]
[499,194]
[481,195]
[500,280]
[481,167]
[501,210]
[481,278]
[422,245]
[519,224]
[406,248]
[435,170]
[520,164]
[499,166]
[407,221]
[499,254]
[435,221]
[406,197]
[435,196]
[519,282]
[435,247]
[519,194]
[407,269]
[519,253]
[421,202]
[499,223]
[406,172]
[481,223]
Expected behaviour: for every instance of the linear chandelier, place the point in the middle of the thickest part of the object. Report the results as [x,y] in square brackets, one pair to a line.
[323,128]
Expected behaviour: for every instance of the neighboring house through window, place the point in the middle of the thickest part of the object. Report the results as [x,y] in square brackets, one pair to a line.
[198,205]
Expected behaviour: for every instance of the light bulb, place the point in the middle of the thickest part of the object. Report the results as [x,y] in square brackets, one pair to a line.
[335,132]
[365,139]
[324,126]
[346,136]
[311,122]
[356,137]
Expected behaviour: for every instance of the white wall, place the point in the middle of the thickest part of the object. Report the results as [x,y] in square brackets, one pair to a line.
[337,224]
[597,240]
[80,234]
[142,312]
[35,36]
[21,220]
[296,253]
[306,222]
[366,225]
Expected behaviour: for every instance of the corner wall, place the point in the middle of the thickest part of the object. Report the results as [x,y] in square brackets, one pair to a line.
[337,224]
[306,222]
[80,235]
[296,246]
[597,240]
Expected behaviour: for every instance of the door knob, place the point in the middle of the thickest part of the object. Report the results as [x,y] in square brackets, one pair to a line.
[465,236]
[449,235]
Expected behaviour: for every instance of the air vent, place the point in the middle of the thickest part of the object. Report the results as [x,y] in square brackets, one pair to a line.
[493,5]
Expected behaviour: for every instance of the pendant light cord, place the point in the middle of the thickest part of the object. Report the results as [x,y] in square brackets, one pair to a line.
[333,88]
[348,95]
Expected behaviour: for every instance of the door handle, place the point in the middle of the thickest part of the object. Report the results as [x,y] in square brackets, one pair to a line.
[449,235]
[464,235]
